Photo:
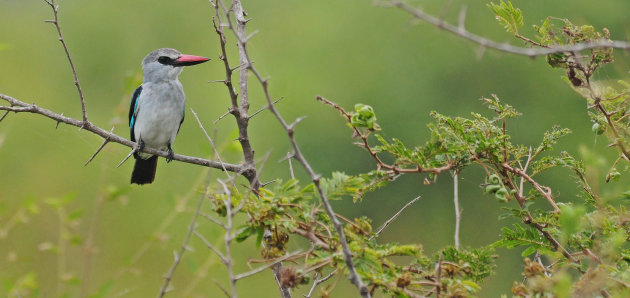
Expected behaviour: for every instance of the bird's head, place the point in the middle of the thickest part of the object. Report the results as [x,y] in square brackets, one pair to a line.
[166,64]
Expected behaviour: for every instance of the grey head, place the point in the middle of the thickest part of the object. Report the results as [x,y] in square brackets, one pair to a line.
[166,64]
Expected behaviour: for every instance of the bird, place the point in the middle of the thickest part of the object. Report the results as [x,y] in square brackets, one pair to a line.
[157,109]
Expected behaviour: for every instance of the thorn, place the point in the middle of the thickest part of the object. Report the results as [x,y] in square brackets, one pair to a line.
[134,150]
[287,157]
[296,122]
[99,148]
[462,18]
[5,114]
[217,81]
[223,116]
[265,107]
[237,67]
[57,126]
[50,21]
[251,35]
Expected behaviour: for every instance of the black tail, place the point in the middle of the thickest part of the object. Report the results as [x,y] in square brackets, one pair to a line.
[144,170]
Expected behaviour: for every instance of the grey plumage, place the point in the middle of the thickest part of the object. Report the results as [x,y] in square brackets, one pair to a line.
[157,108]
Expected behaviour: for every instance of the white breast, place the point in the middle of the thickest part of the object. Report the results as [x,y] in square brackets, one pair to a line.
[160,111]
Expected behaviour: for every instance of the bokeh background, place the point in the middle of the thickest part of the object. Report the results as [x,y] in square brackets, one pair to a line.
[348,51]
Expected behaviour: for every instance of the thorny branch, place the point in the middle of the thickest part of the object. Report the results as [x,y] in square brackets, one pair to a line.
[55,9]
[246,60]
[386,223]
[240,112]
[182,250]
[20,106]
[461,31]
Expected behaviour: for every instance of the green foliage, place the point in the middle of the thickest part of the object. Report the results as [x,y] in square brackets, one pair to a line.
[509,17]
[364,116]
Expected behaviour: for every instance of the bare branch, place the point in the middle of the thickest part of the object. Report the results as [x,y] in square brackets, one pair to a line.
[458,213]
[545,193]
[262,268]
[55,9]
[32,108]
[317,281]
[391,219]
[212,144]
[183,248]
[522,181]
[239,112]
[212,219]
[210,246]
[505,47]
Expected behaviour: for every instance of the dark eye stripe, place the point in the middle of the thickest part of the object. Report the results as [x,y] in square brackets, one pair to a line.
[165,60]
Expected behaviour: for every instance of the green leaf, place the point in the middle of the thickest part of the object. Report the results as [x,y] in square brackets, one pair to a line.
[528,251]
[243,233]
[509,17]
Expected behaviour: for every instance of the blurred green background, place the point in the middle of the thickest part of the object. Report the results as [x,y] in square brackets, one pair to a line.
[347,51]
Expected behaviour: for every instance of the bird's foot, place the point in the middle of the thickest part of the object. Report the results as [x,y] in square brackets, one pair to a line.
[138,147]
[171,154]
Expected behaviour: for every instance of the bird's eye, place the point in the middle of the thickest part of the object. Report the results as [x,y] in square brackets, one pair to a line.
[165,60]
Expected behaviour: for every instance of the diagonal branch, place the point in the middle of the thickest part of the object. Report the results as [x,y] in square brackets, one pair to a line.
[55,9]
[182,250]
[390,220]
[245,59]
[267,266]
[505,47]
[546,194]
[239,112]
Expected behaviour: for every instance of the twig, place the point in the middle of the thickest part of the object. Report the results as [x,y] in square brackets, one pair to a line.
[384,225]
[264,108]
[228,237]
[216,152]
[55,9]
[212,219]
[262,268]
[522,182]
[538,187]
[210,246]
[221,287]
[505,47]
[317,281]
[183,248]
[438,284]
[458,213]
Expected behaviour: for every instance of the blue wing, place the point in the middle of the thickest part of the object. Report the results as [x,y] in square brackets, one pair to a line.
[133,111]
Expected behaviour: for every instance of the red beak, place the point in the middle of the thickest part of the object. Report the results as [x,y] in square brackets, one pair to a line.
[187,60]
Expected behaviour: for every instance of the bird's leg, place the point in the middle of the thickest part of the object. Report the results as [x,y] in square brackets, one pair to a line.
[140,146]
[171,154]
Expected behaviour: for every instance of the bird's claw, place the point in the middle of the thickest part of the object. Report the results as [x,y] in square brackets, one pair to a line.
[170,155]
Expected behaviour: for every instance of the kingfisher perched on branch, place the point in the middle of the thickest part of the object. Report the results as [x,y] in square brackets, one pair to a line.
[157,108]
